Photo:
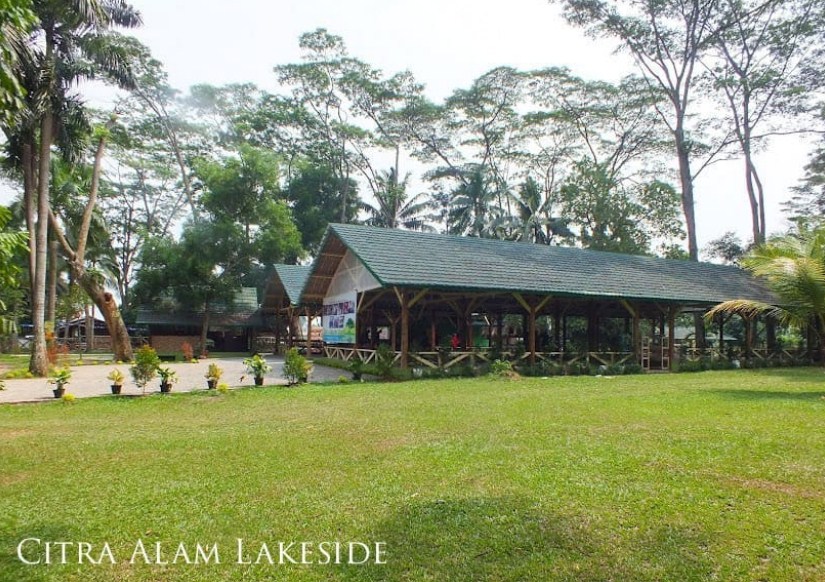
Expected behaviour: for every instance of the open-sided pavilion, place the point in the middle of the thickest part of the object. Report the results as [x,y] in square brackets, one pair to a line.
[417,289]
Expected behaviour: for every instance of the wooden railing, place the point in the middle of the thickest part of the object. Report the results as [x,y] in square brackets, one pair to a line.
[775,355]
[448,358]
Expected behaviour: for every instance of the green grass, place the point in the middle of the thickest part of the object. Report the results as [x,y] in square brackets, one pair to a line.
[715,475]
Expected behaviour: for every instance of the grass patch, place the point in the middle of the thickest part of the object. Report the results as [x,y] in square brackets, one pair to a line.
[715,475]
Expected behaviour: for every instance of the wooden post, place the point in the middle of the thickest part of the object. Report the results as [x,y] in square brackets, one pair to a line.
[277,330]
[531,336]
[671,332]
[309,333]
[557,329]
[592,322]
[770,334]
[373,330]
[405,329]
[433,333]
[563,345]
[500,331]
[721,335]
[748,336]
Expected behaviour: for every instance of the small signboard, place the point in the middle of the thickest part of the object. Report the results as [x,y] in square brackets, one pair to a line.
[339,318]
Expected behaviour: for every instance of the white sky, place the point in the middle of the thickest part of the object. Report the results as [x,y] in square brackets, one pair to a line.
[446,44]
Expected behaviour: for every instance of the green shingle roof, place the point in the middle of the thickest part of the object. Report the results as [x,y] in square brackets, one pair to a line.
[414,259]
[243,312]
[293,278]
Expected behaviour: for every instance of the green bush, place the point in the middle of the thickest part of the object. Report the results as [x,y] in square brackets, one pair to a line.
[357,367]
[296,367]
[633,368]
[145,366]
[500,367]
[384,357]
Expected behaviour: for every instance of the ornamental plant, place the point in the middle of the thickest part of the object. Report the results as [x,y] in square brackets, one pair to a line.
[145,366]
[296,367]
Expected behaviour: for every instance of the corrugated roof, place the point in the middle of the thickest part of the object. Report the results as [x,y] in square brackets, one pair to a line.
[414,259]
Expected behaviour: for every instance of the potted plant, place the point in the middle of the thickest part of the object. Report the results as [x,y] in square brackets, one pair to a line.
[116,377]
[145,366]
[60,378]
[213,375]
[167,378]
[257,366]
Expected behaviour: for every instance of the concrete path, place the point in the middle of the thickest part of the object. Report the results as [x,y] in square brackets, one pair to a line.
[91,380]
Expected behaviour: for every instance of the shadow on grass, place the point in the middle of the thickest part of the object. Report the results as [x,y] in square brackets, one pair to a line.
[513,539]
[745,394]
[11,568]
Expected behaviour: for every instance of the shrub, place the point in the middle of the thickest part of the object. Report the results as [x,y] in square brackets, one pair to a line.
[357,368]
[500,367]
[145,366]
[68,398]
[633,368]
[384,357]
[296,367]
[343,380]
[188,351]
[223,388]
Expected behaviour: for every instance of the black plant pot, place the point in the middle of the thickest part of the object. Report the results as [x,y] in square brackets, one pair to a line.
[59,392]
[259,380]
[212,384]
[116,388]
[165,387]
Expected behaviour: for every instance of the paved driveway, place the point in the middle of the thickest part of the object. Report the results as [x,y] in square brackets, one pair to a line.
[91,380]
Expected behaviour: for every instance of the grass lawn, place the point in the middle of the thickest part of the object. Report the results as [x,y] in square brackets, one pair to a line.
[716,475]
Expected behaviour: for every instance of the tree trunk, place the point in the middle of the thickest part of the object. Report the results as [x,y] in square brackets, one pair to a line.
[52,307]
[204,329]
[105,301]
[39,364]
[686,180]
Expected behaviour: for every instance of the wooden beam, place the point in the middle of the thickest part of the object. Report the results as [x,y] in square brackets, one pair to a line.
[543,302]
[418,297]
[518,297]
[372,300]
[633,312]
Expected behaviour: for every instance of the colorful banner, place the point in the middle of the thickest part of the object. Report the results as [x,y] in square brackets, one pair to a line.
[339,318]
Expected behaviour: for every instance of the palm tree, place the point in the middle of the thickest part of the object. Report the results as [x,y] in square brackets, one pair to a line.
[473,206]
[532,219]
[71,41]
[794,268]
[395,208]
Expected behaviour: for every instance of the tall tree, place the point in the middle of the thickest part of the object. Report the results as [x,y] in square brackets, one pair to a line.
[759,53]
[315,195]
[70,41]
[807,206]
[667,39]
